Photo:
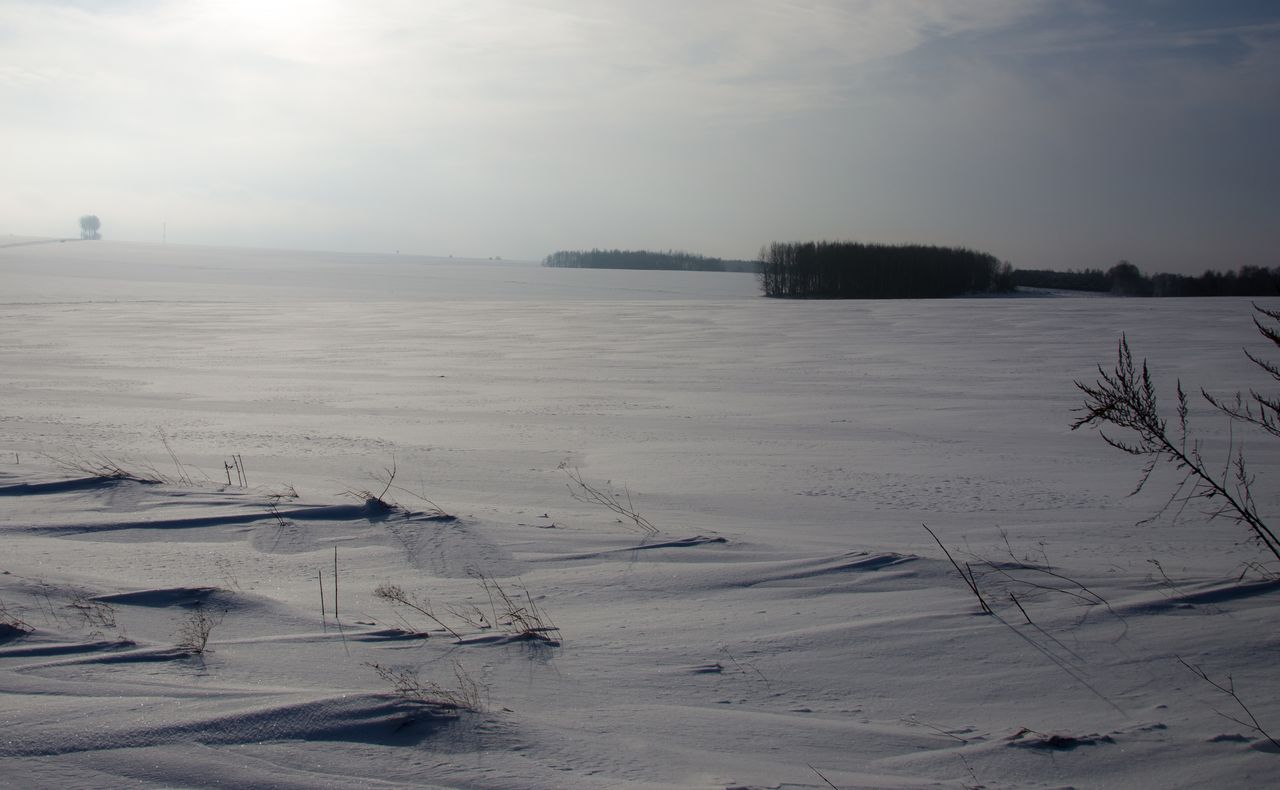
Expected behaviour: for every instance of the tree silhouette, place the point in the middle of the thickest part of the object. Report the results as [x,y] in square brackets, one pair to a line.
[89,225]
[849,270]
[1127,279]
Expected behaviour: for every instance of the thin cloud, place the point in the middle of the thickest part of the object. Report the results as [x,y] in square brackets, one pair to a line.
[515,127]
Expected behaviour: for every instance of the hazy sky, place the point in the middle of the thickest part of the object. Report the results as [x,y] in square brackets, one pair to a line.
[1053,134]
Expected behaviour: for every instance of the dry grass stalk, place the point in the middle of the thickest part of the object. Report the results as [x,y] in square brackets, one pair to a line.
[966,572]
[183,477]
[519,615]
[102,467]
[236,462]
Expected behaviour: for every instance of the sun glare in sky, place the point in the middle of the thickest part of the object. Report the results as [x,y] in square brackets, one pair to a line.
[1063,134]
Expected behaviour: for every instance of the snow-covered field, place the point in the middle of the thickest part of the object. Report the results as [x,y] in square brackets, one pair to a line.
[789,624]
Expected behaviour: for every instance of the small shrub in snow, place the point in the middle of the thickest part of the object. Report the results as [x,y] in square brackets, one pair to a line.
[193,634]
[11,624]
[467,694]
[95,614]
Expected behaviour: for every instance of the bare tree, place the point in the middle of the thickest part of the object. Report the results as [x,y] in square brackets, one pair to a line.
[89,225]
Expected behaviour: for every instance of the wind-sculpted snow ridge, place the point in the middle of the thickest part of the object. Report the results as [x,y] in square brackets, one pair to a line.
[809,570]
[171,596]
[1191,594]
[655,545]
[245,718]
[44,647]
[698,658]
[57,486]
[12,631]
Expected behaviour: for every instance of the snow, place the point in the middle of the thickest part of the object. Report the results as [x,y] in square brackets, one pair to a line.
[790,625]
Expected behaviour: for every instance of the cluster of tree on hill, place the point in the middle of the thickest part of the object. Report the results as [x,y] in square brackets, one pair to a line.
[644,259]
[851,270]
[89,225]
[1127,279]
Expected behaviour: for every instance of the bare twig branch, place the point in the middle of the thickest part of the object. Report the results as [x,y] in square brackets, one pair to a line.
[380,500]
[1229,688]
[823,778]
[395,594]
[583,491]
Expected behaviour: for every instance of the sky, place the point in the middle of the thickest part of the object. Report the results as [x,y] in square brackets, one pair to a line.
[1053,134]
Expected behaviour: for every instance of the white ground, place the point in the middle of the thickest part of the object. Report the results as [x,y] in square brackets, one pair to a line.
[791,625]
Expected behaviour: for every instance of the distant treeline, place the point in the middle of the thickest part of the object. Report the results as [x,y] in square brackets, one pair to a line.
[1127,279]
[850,270]
[1070,280]
[645,259]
